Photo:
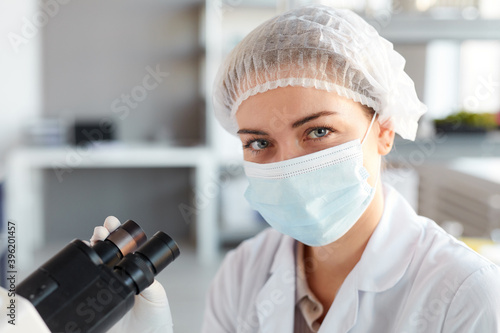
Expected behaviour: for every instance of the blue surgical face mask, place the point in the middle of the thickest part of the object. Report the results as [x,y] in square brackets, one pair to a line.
[314,198]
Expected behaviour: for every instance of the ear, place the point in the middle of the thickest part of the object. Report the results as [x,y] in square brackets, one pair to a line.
[385,137]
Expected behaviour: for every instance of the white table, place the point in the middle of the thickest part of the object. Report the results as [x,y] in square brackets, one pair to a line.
[23,189]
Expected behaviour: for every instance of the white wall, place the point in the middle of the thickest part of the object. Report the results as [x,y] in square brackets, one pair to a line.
[19,70]
[96,51]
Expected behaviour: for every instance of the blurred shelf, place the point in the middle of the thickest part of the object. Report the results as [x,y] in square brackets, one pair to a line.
[245,4]
[406,29]
[111,156]
[162,5]
[445,147]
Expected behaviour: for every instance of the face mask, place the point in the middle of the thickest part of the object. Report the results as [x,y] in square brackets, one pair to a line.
[315,198]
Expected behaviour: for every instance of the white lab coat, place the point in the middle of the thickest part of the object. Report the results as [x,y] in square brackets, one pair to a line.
[412,277]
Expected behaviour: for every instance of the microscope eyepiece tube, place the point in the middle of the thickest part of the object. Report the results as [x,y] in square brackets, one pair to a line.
[160,250]
[125,239]
[128,237]
[139,268]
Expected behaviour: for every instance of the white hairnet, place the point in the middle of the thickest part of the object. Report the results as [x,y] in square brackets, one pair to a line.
[325,48]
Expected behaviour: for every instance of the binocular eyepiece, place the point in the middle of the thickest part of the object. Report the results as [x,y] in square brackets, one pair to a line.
[126,249]
[110,272]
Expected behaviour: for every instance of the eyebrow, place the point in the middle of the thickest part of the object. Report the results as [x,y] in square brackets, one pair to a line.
[304,120]
[251,131]
[296,124]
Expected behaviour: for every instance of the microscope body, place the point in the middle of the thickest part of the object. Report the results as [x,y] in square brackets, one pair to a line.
[88,289]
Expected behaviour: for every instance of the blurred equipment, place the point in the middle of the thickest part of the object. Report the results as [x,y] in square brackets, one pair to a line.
[46,132]
[86,133]
[88,289]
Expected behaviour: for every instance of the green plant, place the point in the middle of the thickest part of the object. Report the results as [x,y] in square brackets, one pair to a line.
[482,120]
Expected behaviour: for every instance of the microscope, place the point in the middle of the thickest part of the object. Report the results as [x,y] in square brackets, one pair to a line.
[89,288]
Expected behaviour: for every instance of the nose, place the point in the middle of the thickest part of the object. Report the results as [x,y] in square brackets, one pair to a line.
[288,151]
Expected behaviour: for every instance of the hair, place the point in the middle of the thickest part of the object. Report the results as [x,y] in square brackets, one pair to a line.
[369,111]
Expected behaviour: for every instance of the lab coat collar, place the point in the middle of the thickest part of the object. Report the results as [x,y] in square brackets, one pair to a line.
[276,299]
[391,246]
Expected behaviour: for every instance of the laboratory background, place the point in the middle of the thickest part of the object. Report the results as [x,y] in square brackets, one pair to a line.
[106,109]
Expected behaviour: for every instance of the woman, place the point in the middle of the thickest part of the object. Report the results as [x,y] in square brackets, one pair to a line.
[316,97]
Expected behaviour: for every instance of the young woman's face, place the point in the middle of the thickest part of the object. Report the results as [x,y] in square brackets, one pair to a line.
[289,122]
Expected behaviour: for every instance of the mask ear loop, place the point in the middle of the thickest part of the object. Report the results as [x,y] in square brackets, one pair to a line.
[369,127]
[380,164]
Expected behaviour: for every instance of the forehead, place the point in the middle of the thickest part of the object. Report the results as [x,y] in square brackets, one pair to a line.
[288,104]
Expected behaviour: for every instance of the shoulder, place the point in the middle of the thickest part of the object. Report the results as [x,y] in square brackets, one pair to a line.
[484,283]
[454,277]
[475,306]
[434,257]
[437,248]
[432,248]
[448,283]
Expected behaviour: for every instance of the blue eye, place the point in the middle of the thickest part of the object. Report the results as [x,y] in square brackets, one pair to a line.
[259,144]
[318,132]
